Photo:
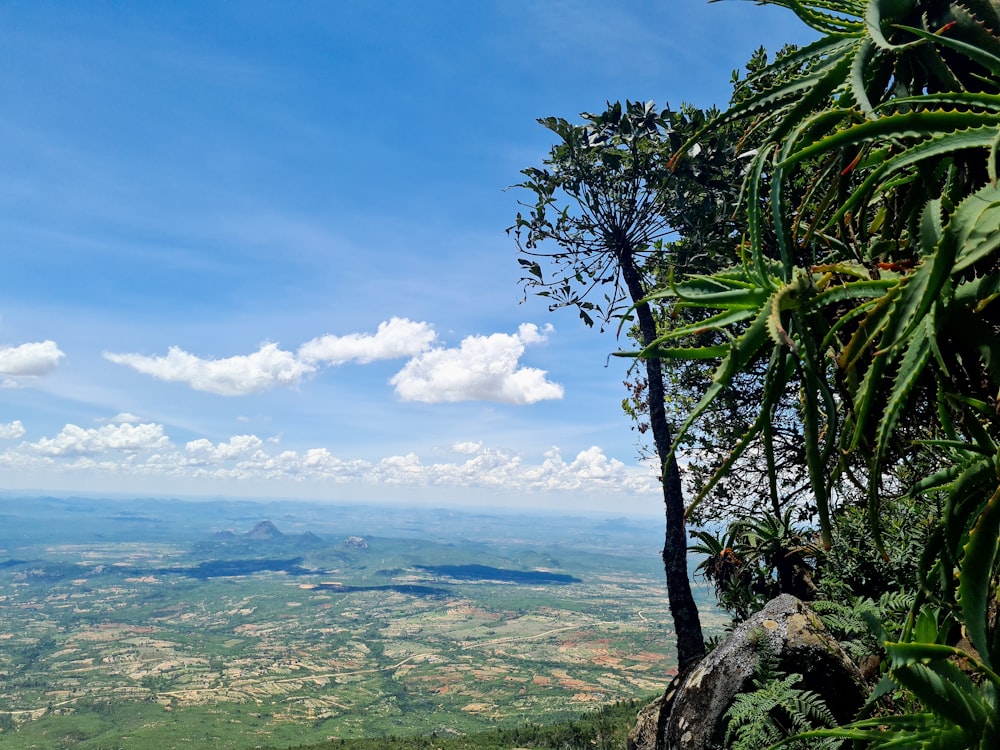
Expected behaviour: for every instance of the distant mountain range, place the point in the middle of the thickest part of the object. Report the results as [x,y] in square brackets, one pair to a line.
[265,533]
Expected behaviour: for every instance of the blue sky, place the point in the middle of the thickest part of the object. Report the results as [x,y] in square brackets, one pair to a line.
[258,248]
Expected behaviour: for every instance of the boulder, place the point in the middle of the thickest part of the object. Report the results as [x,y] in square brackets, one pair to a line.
[648,725]
[801,644]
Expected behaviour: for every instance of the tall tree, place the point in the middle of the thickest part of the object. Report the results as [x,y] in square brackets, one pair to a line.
[604,200]
[705,240]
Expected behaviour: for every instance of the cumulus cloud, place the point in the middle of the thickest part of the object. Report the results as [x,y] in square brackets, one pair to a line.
[77,441]
[30,360]
[233,376]
[482,368]
[12,430]
[272,366]
[145,451]
[395,338]
[237,447]
[466,447]
[590,471]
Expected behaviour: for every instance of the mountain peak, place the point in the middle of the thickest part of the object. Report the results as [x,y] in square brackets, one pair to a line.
[263,531]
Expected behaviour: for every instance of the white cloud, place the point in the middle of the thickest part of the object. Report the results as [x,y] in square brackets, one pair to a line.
[237,447]
[483,368]
[590,469]
[395,338]
[124,418]
[145,452]
[529,333]
[30,360]
[12,431]
[494,468]
[466,447]
[77,441]
[234,376]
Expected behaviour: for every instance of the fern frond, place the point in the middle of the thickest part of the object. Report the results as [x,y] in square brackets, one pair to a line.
[775,709]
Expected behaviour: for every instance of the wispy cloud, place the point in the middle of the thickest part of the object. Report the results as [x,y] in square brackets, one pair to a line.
[482,368]
[124,418]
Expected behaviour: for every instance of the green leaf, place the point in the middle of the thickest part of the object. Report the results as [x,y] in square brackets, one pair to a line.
[935,146]
[741,351]
[976,100]
[719,322]
[681,352]
[946,691]
[926,628]
[860,63]
[975,576]
[755,219]
[781,366]
[906,654]
[974,224]
[936,134]
[880,14]
[870,328]
[812,14]
[911,367]
[988,60]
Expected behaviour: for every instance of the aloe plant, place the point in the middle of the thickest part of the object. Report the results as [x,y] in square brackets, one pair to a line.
[867,282]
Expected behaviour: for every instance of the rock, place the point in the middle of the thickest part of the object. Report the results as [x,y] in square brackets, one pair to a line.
[648,725]
[802,646]
[356,542]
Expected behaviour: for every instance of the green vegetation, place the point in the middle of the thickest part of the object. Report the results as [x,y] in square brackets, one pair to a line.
[604,729]
[130,644]
[831,351]
[862,299]
[776,708]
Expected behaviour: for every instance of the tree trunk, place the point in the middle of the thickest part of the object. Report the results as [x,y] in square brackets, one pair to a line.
[687,624]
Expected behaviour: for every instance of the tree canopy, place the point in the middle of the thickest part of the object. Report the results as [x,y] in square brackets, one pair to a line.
[602,204]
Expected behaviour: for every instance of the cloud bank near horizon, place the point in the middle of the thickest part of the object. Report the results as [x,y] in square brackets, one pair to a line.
[126,448]
[481,368]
